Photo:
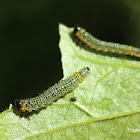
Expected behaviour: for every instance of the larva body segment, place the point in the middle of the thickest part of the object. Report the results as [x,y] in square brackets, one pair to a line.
[53,93]
[99,45]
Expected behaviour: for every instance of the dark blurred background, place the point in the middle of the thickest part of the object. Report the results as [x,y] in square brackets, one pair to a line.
[30,60]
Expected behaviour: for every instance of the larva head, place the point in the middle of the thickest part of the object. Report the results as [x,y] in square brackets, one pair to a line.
[81,74]
[17,104]
[84,72]
[78,35]
[77,31]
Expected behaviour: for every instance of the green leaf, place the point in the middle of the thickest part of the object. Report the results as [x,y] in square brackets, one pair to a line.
[107,106]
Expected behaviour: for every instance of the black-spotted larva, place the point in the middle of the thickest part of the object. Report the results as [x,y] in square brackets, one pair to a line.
[83,37]
[52,94]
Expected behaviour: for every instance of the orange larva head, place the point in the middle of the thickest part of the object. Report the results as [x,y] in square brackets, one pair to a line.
[20,105]
[77,31]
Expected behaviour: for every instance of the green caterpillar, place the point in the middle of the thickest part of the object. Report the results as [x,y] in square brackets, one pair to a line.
[52,94]
[85,38]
